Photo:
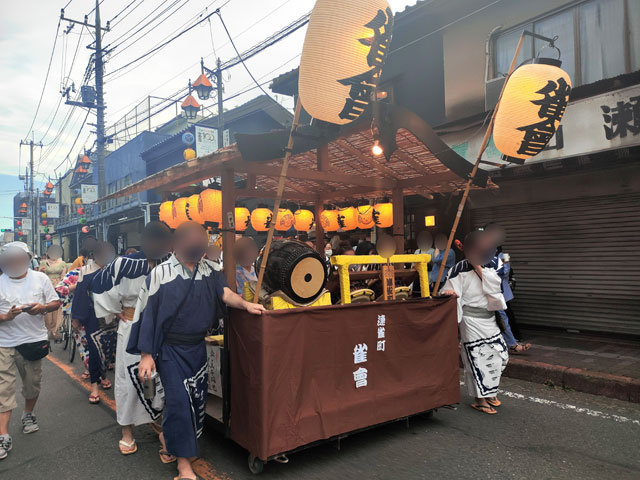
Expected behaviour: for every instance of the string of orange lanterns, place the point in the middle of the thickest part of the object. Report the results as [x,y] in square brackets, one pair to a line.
[207,208]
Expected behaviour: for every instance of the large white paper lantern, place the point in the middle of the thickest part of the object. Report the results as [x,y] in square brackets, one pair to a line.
[344,50]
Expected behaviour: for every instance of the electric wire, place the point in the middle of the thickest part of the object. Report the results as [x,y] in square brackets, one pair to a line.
[46,78]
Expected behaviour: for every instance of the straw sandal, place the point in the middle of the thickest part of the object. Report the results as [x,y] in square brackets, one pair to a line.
[488,409]
[164,454]
[129,448]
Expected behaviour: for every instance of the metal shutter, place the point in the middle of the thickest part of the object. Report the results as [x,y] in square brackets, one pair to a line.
[577,262]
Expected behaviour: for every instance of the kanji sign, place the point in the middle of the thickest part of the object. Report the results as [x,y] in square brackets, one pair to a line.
[53,210]
[622,119]
[89,193]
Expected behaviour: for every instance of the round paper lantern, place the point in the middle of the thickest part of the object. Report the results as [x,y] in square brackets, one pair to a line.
[43,215]
[180,211]
[20,233]
[383,214]
[284,220]
[44,223]
[243,218]
[303,220]
[46,229]
[23,205]
[260,219]
[211,205]
[189,154]
[344,49]
[348,218]
[85,229]
[329,220]
[78,201]
[193,209]
[80,211]
[166,214]
[19,223]
[83,220]
[47,237]
[365,217]
[533,102]
[188,138]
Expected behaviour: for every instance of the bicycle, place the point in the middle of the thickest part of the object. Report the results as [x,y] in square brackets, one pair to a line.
[67,333]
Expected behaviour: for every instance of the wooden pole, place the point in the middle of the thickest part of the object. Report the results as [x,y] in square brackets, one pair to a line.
[483,146]
[397,199]
[276,204]
[322,157]
[228,233]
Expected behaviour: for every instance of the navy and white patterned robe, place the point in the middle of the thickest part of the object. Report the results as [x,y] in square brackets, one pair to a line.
[182,368]
[117,287]
[484,353]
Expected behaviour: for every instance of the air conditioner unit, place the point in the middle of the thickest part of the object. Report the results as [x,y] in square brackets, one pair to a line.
[492,89]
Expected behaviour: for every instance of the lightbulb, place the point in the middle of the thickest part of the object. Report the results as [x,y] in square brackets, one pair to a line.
[377,149]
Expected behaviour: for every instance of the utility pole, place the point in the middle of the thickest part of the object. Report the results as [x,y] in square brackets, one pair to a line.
[32,202]
[220,109]
[88,100]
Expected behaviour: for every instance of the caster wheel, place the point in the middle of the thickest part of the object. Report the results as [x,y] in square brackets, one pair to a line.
[255,465]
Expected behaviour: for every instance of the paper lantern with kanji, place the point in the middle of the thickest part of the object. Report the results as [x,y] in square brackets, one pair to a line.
[533,102]
[329,220]
[383,215]
[284,220]
[211,205]
[180,211]
[365,217]
[242,218]
[348,218]
[166,214]
[260,219]
[303,220]
[193,209]
[344,49]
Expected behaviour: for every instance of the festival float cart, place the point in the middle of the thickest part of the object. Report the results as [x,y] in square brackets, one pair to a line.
[307,371]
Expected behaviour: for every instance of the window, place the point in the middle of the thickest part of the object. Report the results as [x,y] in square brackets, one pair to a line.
[591,37]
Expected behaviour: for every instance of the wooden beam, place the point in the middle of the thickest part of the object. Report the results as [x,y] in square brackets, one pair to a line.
[228,234]
[322,155]
[397,198]
[313,175]
[259,193]
[320,242]
[429,180]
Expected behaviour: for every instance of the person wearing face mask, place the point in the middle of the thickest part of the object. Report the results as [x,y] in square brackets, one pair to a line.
[54,268]
[25,297]
[181,299]
[100,339]
[115,293]
[477,286]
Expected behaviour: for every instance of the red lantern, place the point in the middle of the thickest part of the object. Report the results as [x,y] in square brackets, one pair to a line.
[80,210]
[19,223]
[85,229]
[44,223]
[47,237]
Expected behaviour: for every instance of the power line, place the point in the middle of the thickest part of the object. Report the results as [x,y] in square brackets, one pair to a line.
[121,12]
[46,78]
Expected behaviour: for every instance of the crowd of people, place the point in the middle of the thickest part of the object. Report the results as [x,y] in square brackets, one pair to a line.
[145,315]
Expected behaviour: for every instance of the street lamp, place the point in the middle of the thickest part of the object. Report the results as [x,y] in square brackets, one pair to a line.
[203,87]
[190,106]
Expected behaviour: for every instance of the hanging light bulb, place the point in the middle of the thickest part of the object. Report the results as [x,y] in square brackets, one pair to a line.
[377,149]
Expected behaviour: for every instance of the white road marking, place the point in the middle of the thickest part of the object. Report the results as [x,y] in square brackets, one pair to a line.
[566,406]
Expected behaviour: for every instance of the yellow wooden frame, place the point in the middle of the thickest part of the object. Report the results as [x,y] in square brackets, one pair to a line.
[344,261]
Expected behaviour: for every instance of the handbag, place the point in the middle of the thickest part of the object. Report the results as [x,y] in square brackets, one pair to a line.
[34,350]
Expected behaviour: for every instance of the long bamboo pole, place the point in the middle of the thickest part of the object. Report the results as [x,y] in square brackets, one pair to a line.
[276,205]
[483,146]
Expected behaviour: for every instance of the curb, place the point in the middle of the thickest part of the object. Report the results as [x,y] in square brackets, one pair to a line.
[579,379]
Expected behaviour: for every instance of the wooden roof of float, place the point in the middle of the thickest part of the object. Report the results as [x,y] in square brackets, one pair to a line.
[343,169]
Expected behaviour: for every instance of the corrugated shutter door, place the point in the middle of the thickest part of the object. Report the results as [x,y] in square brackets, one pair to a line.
[576,262]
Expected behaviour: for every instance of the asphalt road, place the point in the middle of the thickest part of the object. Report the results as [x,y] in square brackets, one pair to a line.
[540,433]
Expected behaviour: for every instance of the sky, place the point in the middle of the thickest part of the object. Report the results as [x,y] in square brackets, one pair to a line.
[25,50]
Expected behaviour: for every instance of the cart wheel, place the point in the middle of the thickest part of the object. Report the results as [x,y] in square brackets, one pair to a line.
[255,465]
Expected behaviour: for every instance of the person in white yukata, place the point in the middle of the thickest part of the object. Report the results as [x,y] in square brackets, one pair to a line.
[179,303]
[477,286]
[115,292]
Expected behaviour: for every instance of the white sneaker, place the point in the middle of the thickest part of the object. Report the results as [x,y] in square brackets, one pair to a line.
[5,446]
[29,423]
